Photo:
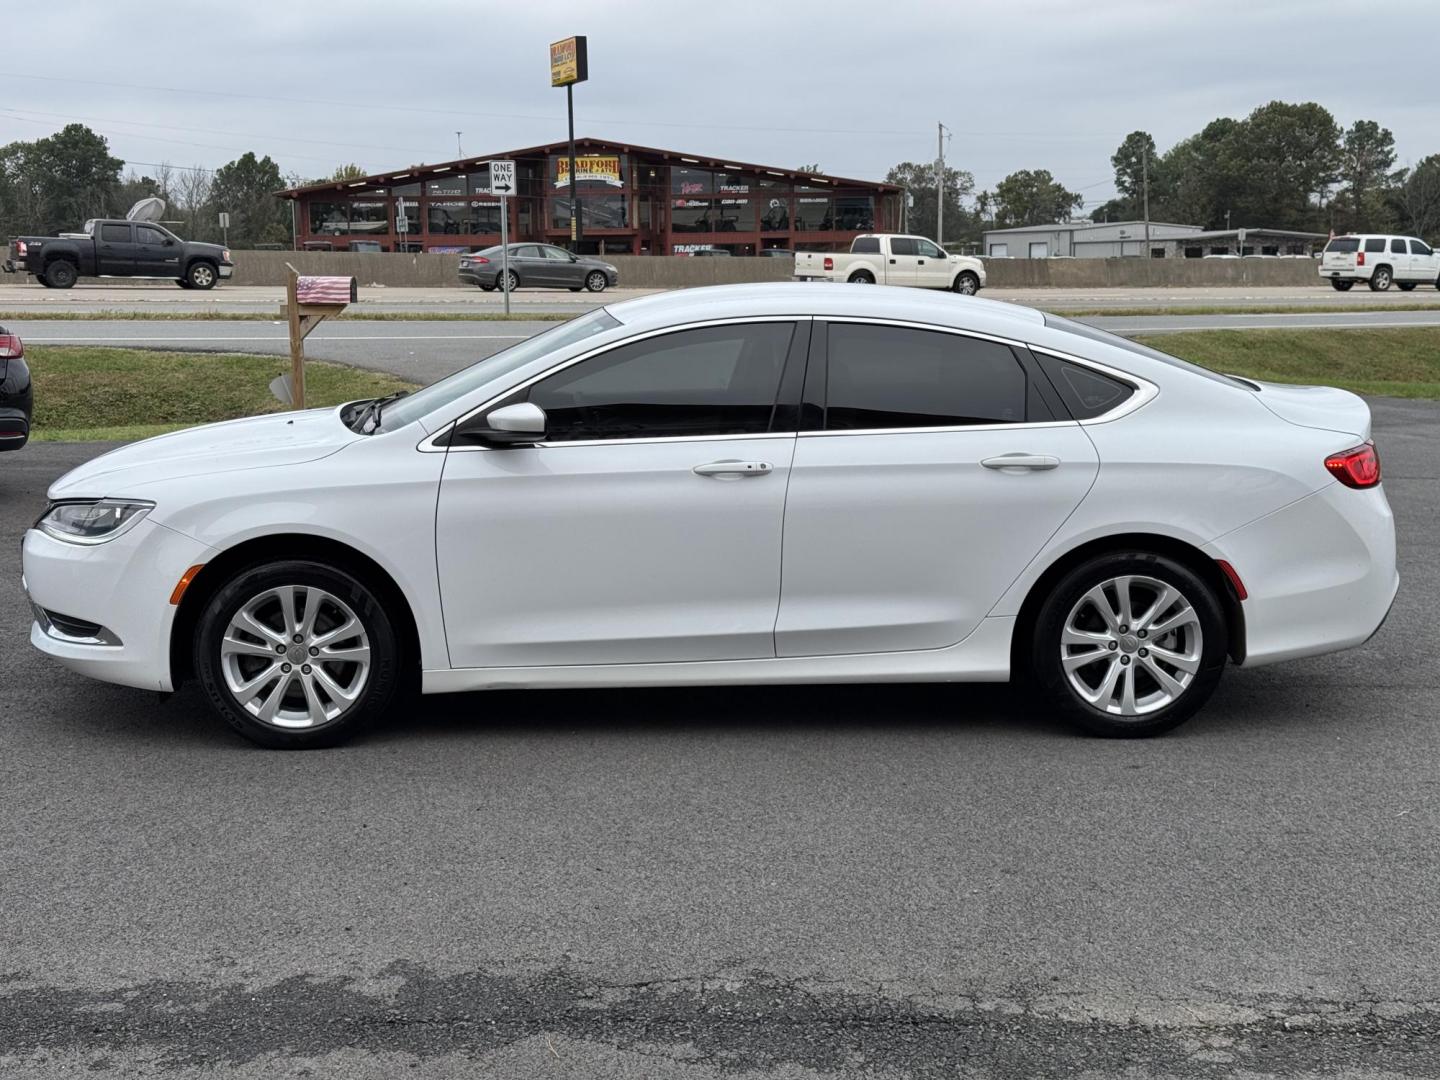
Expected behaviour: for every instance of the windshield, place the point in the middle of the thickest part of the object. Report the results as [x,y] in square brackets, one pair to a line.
[1118,342]
[453,387]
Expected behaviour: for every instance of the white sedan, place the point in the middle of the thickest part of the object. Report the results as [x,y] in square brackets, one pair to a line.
[750,484]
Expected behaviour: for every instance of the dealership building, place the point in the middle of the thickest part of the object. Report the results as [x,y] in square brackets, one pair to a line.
[634,200]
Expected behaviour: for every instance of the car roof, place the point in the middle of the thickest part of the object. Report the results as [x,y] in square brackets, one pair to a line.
[827,300]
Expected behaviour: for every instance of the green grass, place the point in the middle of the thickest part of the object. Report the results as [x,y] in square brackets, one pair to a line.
[261,316]
[1394,362]
[85,394]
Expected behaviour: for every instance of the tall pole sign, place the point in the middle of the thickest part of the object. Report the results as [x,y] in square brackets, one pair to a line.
[569,64]
[502,183]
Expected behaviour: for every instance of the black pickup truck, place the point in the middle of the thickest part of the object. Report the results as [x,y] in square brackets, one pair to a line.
[118,248]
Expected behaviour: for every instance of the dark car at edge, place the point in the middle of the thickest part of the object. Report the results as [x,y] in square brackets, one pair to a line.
[16,393]
[539,266]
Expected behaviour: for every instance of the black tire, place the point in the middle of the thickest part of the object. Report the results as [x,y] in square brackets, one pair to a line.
[45,284]
[966,283]
[380,685]
[1345,286]
[487,288]
[596,281]
[202,275]
[1045,660]
[61,274]
[862,277]
[1406,286]
[183,283]
[1380,280]
[507,282]
[576,288]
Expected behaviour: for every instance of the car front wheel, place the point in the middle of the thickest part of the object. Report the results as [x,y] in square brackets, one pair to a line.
[596,281]
[1129,645]
[201,275]
[297,655]
[967,283]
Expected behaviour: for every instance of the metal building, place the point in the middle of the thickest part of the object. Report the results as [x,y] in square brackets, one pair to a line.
[1082,240]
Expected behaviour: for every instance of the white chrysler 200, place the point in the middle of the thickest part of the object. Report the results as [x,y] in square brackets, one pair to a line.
[752,484]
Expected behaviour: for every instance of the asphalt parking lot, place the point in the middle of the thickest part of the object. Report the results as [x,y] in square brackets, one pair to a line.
[884,881]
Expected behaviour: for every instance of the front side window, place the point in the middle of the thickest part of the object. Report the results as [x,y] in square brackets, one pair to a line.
[895,377]
[1417,248]
[555,254]
[150,236]
[930,251]
[716,380]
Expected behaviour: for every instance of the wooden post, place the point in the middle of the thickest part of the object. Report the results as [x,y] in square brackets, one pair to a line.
[297,340]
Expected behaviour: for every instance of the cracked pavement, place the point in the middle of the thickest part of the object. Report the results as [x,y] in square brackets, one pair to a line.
[908,881]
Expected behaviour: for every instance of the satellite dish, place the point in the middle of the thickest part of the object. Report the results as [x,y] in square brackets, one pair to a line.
[146,210]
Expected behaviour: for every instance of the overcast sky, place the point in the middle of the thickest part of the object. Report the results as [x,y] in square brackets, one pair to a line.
[857,87]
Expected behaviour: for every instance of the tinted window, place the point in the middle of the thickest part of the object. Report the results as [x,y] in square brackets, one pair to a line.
[1115,340]
[1344,244]
[1086,393]
[1375,243]
[149,236]
[865,245]
[115,234]
[719,380]
[904,245]
[1397,247]
[1417,248]
[892,377]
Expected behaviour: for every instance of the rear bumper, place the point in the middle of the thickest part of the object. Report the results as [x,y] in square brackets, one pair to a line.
[14,429]
[1320,573]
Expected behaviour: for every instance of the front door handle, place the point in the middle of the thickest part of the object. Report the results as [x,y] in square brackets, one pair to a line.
[1019,462]
[734,468]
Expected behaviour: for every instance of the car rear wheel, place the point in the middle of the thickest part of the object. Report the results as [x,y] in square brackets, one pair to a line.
[1405,286]
[1129,644]
[297,655]
[61,274]
[1380,279]
[863,277]
[596,281]
[1344,286]
[201,275]
[509,282]
[967,283]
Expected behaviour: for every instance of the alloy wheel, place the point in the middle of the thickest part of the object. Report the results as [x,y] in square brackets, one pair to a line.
[202,276]
[1131,645]
[295,657]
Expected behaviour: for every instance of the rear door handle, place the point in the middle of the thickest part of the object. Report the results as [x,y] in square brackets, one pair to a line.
[734,468]
[1027,462]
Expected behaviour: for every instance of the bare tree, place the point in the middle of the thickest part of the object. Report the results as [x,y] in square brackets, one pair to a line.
[192,200]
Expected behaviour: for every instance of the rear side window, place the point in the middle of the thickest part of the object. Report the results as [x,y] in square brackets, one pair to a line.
[1417,248]
[1344,244]
[719,380]
[865,245]
[1397,247]
[1086,392]
[904,245]
[1375,243]
[895,377]
[115,234]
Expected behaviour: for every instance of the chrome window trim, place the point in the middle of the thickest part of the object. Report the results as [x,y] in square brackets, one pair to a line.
[429,444]
[1145,390]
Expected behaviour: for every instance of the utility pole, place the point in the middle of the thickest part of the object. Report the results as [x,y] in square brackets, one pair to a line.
[940,185]
[459,150]
[1145,184]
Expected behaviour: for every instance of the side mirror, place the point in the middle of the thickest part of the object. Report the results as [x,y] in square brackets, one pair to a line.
[168,242]
[521,424]
[574,257]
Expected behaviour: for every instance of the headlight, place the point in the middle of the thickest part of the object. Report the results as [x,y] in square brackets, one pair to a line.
[93,522]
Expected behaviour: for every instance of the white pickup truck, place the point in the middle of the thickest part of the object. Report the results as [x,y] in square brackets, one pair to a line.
[886,259]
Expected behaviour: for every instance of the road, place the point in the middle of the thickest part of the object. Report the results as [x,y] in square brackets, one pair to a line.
[108,296]
[807,882]
[425,351]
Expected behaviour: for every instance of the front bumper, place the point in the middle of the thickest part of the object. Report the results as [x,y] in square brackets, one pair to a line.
[123,588]
[1320,573]
[227,270]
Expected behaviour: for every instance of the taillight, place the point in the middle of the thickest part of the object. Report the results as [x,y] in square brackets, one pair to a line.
[11,347]
[1360,258]
[829,263]
[1358,467]
[20,248]
[481,259]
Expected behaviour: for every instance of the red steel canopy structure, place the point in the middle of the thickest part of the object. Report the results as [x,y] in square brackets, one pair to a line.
[634,200]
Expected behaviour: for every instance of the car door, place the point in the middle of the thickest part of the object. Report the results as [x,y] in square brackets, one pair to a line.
[115,250]
[525,260]
[1399,256]
[560,268]
[646,527]
[902,264]
[1425,264]
[156,254]
[932,268]
[936,472]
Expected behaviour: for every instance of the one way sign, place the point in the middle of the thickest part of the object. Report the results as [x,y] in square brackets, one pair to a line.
[502,178]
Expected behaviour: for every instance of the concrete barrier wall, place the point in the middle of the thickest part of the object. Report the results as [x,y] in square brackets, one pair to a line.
[671,272]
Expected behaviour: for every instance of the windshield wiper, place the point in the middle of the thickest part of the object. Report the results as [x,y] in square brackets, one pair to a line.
[372,411]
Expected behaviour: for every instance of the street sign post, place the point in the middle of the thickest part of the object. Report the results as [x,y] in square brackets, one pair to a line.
[225,226]
[502,183]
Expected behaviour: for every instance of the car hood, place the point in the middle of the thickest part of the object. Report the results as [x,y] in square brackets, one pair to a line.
[1322,407]
[258,442]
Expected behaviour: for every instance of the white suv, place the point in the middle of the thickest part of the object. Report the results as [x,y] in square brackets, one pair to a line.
[1380,260]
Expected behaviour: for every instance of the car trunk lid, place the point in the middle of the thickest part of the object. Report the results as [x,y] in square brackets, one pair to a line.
[1322,407]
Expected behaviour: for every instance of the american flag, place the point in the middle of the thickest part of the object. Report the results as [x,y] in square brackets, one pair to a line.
[325,290]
